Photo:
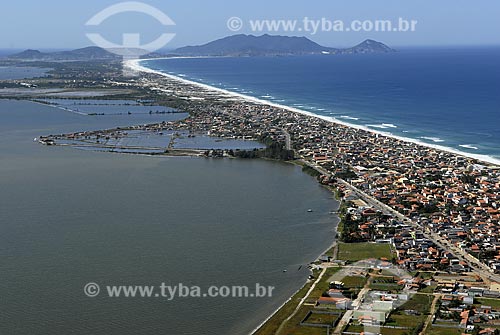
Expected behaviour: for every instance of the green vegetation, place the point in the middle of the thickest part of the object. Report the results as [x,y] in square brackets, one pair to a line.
[420,305]
[321,318]
[403,320]
[310,171]
[350,229]
[354,328]
[322,286]
[354,281]
[286,310]
[359,251]
[494,303]
[384,284]
[419,302]
[392,331]
[346,174]
[444,331]
[293,325]
[428,289]
[274,150]
[344,205]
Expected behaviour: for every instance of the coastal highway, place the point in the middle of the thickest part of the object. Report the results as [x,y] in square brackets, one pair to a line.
[480,268]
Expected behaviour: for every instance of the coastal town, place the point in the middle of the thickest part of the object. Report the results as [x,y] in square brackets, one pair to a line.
[394,189]
[250,167]
[427,218]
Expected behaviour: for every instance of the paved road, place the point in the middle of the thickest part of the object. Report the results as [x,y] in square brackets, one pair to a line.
[480,268]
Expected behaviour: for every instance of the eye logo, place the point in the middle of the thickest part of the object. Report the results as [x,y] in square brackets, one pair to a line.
[130,47]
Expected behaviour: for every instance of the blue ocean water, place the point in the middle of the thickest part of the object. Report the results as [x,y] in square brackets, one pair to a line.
[447,97]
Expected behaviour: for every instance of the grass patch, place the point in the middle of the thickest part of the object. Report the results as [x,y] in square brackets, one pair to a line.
[392,331]
[428,289]
[322,318]
[354,329]
[359,251]
[384,331]
[494,303]
[293,325]
[444,331]
[330,251]
[270,327]
[426,275]
[322,286]
[403,320]
[354,281]
[419,302]
[385,287]
[384,284]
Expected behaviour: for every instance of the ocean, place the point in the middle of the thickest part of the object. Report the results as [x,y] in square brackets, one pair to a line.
[445,97]
[69,217]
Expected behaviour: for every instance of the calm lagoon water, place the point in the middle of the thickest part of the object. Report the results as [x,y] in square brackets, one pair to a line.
[447,97]
[69,217]
[21,72]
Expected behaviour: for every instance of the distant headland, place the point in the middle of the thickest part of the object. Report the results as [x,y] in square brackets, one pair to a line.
[235,46]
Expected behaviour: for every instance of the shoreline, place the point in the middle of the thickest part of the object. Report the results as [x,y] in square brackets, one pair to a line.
[481,159]
[135,65]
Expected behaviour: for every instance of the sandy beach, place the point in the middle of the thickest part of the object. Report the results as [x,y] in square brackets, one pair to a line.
[135,65]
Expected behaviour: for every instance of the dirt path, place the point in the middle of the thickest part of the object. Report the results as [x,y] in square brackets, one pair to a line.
[431,315]
[282,325]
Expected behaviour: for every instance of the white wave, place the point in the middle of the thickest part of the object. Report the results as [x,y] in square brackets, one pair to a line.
[433,139]
[468,146]
[389,125]
[380,126]
[135,65]
[348,117]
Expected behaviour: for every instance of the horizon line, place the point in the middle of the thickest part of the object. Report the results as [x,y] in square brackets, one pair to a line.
[54,48]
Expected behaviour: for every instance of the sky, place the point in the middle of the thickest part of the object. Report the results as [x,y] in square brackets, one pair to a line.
[60,24]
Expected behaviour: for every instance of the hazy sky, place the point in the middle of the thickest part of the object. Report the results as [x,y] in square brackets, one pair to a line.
[61,24]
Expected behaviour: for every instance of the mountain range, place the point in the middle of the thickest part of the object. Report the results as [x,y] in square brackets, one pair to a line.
[236,45]
[268,45]
[88,53]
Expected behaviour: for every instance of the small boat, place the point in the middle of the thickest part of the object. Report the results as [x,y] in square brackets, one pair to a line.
[285,270]
[309,210]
